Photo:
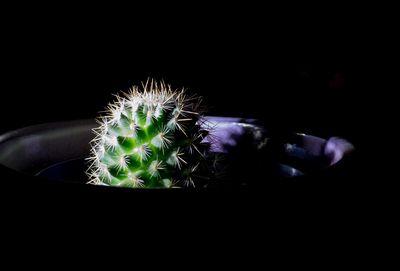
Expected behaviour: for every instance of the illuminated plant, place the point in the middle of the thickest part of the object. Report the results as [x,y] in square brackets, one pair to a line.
[151,137]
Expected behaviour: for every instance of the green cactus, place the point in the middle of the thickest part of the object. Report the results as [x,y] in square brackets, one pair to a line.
[150,138]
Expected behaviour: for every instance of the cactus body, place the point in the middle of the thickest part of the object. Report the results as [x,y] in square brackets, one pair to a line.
[151,138]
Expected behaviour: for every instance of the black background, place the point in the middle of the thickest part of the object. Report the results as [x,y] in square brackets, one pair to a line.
[303,70]
[301,74]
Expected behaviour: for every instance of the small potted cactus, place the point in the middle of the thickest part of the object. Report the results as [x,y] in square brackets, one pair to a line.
[152,137]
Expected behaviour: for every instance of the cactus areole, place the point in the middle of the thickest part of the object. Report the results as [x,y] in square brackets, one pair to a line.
[151,137]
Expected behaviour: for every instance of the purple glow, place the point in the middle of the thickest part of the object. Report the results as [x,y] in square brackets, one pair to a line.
[336,148]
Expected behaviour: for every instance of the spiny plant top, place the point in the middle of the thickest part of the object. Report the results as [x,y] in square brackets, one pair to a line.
[150,137]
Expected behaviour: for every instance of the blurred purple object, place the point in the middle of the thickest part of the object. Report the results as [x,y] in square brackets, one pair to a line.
[336,148]
[226,132]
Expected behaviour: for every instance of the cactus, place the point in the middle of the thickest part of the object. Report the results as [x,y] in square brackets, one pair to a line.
[151,137]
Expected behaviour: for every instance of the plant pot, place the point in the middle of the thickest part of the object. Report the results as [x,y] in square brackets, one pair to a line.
[253,155]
